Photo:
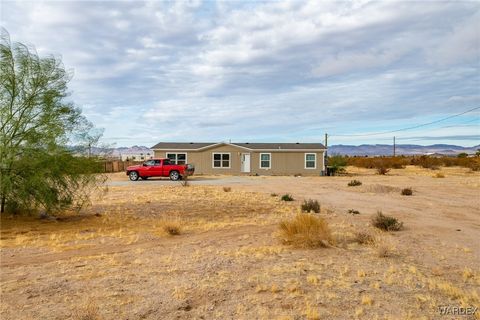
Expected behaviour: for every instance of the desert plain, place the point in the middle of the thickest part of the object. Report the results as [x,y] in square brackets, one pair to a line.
[212,250]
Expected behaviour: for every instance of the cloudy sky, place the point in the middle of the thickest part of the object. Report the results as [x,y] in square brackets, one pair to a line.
[264,71]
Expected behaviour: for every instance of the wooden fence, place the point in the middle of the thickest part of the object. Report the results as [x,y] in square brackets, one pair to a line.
[118,165]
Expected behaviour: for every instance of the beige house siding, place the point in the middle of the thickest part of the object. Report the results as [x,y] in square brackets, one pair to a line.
[282,162]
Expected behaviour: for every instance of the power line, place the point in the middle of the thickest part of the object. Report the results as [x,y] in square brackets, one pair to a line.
[404,129]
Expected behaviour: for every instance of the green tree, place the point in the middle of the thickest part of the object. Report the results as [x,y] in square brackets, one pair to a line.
[37,169]
[462,155]
[336,164]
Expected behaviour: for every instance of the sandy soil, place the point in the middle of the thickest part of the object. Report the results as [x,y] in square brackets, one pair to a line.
[115,261]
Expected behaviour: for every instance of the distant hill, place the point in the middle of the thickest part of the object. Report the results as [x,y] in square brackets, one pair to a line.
[401,149]
[361,150]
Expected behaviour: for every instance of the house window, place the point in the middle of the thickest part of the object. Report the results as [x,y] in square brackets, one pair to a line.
[177,158]
[310,160]
[265,160]
[221,160]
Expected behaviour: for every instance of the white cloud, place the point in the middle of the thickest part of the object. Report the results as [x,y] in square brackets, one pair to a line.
[268,70]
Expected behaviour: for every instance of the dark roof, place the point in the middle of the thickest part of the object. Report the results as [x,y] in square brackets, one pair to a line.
[255,146]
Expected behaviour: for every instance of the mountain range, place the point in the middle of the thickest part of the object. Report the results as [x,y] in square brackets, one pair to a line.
[351,150]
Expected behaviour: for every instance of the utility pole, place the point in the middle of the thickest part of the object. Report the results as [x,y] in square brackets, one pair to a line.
[325,160]
[394,147]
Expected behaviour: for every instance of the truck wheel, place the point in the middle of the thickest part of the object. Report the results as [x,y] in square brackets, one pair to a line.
[133,175]
[174,175]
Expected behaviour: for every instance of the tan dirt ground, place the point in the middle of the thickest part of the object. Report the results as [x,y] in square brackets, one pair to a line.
[115,261]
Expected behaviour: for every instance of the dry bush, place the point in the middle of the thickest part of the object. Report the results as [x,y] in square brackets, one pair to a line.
[364,237]
[407,192]
[354,183]
[227,189]
[310,205]
[382,170]
[353,211]
[287,197]
[386,223]
[439,175]
[273,194]
[88,312]
[306,230]
[172,228]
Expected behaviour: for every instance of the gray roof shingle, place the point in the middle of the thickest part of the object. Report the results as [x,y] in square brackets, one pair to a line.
[254,146]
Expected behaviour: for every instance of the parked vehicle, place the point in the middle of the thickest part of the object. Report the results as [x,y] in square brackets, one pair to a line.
[159,168]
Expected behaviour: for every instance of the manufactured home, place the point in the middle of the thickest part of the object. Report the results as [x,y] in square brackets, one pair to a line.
[306,159]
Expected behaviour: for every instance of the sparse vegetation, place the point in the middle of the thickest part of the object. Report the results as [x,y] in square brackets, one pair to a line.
[382,170]
[227,189]
[353,211]
[273,194]
[88,312]
[407,192]
[364,237]
[354,183]
[310,206]
[172,228]
[386,223]
[336,164]
[306,230]
[439,175]
[287,197]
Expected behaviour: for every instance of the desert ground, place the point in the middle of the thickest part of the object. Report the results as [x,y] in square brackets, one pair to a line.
[121,258]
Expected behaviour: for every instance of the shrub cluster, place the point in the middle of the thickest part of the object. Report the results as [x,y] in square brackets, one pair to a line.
[310,205]
[354,183]
[386,223]
[287,197]
[407,192]
[400,162]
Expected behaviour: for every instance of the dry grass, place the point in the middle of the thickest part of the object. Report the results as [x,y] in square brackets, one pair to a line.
[227,189]
[88,312]
[364,237]
[439,175]
[172,228]
[306,230]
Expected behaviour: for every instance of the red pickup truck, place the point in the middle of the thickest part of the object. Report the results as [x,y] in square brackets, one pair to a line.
[159,168]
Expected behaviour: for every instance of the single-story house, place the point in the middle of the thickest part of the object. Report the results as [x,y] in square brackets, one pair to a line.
[246,158]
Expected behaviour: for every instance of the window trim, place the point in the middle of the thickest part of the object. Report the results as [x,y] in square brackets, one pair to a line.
[221,160]
[315,161]
[176,156]
[269,161]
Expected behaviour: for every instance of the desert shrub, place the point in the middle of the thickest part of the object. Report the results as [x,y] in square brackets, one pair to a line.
[310,205]
[364,237]
[354,183]
[407,192]
[386,223]
[439,175]
[306,230]
[353,211]
[227,189]
[462,155]
[384,250]
[382,170]
[273,194]
[336,164]
[171,227]
[287,197]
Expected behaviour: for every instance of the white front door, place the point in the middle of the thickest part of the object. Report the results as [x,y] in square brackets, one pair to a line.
[245,162]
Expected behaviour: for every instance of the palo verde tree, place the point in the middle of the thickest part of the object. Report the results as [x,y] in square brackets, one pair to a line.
[38,171]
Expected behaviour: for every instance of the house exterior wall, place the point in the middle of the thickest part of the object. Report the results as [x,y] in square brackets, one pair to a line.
[282,162]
